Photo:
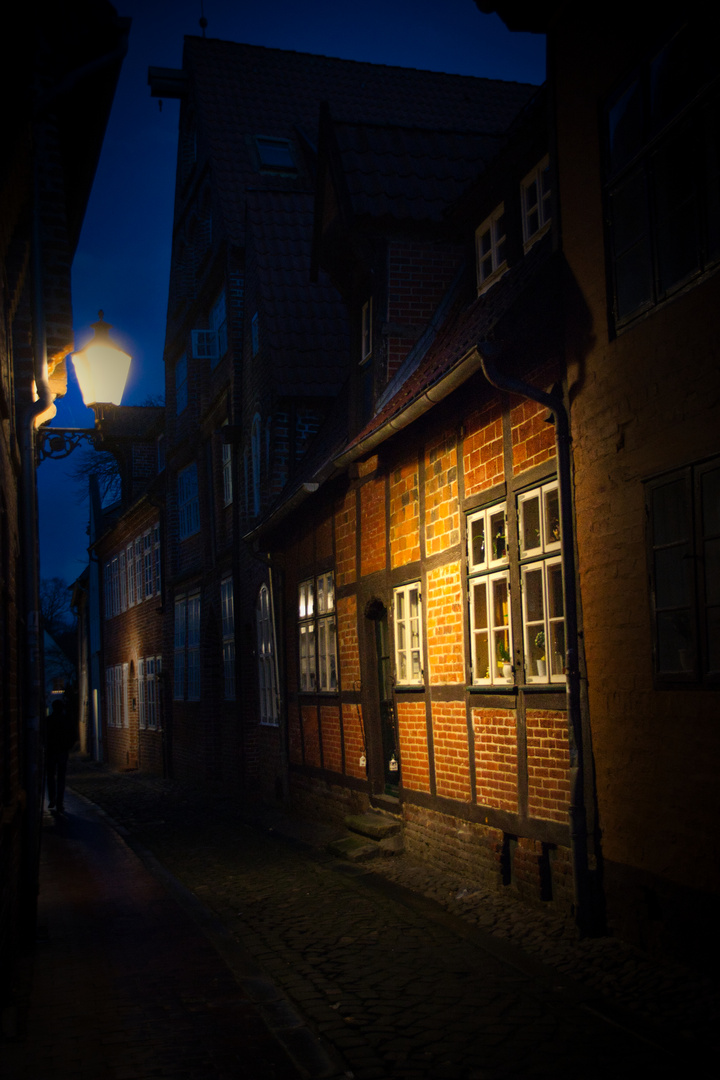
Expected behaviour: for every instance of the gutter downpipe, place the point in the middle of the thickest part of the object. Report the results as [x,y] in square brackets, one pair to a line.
[586,917]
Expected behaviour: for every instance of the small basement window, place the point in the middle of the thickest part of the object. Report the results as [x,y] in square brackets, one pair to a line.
[275,154]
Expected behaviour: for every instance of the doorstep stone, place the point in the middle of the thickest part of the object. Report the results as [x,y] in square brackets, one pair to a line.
[376,826]
[354,849]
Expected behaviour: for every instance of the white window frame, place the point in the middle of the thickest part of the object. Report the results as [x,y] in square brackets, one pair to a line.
[130,565]
[536,202]
[123,581]
[317,630]
[227,611]
[306,632]
[539,546]
[138,570]
[491,640]
[151,693]
[110,695]
[266,659]
[408,635]
[142,714]
[188,502]
[148,563]
[491,254]
[157,555]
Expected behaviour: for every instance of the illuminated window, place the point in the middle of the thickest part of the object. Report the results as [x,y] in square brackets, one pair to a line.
[490,248]
[489,596]
[318,634]
[266,658]
[408,634]
[536,202]
[541,582]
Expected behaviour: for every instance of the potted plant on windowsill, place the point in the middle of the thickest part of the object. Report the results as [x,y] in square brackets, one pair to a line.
[504,663]
[541,663]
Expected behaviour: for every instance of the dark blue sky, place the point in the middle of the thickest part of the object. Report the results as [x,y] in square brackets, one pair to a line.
[123,259]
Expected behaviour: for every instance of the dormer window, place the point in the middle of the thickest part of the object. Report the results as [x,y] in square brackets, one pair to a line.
[275,155]
[490,248]
[536,208]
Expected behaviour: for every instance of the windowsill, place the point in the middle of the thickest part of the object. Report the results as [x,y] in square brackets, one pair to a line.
[488,283]
[409,688]
[536,236]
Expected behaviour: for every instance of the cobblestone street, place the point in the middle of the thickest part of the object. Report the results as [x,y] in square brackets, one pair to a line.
[391,982]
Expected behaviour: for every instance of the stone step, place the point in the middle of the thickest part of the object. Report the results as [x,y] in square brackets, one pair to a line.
[375,826]
[354,849]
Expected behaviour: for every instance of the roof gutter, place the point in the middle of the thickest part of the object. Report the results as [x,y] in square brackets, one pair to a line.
[587,915]
[463,370]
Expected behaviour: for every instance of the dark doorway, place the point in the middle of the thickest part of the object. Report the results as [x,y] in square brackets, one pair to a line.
[377,611]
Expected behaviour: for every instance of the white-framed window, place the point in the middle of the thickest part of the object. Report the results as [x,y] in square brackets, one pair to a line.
[151,693]
[541,581]
[536,199]
[318,634]
[366,330]
[407,604]
[266,658]
[123,581]
[181,384]
[188,502]
[157,558]
[119,710]
[130,563]
[275,155]
[179,643]
[227,611]
[491,643]
[110,695]
[142,708]
[193,647]
[148,563]
[490,248]
[138,570]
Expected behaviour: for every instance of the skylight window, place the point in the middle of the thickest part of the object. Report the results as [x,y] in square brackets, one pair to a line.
[275,154]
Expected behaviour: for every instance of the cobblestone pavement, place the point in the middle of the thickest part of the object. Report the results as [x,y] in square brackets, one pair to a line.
[404,972]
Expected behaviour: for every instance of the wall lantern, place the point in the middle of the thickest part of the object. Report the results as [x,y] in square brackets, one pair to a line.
[102,369]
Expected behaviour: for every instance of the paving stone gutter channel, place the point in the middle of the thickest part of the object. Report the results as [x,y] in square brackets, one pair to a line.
[668,1004]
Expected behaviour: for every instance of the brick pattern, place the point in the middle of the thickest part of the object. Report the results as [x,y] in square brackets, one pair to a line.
[452,759]
[404,516]
[294,734]
[496,768]
[311,735]
[413,745]
[348,647]
[372,509]
[483,449]
[345,525]
[418,275]
[442,519]
[467,848]
[353,736]
[443,607]
[548,759]
[533,440]
[331,741]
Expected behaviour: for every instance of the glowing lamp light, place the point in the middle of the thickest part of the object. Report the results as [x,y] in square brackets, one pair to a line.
[101,367]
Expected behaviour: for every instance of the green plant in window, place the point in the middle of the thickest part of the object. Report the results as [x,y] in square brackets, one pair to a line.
[503,653]
[540,643]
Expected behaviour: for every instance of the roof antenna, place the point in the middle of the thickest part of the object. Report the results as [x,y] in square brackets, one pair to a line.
[203,20]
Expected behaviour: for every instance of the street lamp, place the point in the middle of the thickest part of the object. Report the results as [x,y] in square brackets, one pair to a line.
[102,370]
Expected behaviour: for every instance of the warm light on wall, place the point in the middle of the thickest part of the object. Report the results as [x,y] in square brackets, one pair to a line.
[101,367]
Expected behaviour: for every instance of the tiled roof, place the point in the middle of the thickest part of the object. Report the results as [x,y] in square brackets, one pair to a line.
[244,90]
[304,324]
[464,329]
[409,173]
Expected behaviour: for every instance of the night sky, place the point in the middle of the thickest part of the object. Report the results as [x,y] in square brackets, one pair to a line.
[123,260]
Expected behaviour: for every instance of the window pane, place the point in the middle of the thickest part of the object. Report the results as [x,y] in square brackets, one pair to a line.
[711,503]
[480,612]
[557,648]
[555,591]
[673,577]
[670,513]
[676,651]
[552,516]
[530,526]
[477,541]
[497,532]
[625,127]
[534,607]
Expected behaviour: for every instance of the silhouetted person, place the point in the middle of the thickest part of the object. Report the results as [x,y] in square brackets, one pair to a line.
[59,740]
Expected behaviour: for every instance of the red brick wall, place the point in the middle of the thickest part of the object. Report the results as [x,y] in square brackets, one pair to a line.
[331,742]
[483,449]
[533,440]
[444,621]
[548,759]
[348,650]
[496,757]
[404,515]
[345,559]
[354,740]
[452,758]
[372,509]
[413,745]
[311,735]
[442,519]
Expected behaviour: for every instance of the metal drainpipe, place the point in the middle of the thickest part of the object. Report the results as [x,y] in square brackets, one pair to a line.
[586,917]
